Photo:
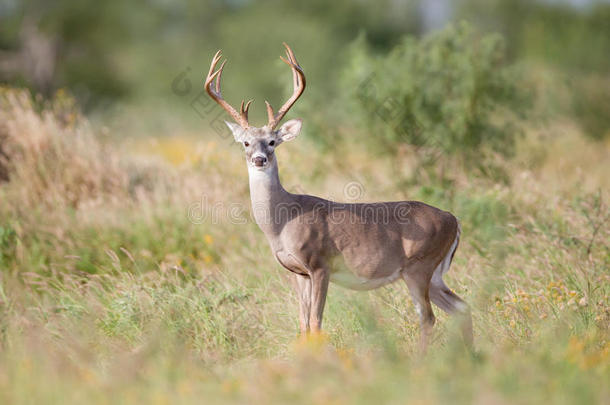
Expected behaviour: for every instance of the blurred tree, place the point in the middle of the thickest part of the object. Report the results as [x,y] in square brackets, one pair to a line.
[60,44]
[86,45]
[132,50]
[115,48]
[451,92]
[572,40]
[35,58]
[555,32]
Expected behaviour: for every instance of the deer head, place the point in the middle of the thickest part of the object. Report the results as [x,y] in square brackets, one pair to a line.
[259,143]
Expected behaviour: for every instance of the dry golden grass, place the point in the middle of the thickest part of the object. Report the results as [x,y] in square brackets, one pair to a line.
[51,155]
[110,292]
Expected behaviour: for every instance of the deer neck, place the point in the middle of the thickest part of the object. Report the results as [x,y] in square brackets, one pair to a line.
[267,194]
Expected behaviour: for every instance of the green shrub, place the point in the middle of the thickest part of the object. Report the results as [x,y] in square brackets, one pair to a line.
[591,105]
[451,92]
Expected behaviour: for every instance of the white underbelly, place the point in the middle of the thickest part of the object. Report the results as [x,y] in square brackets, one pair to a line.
[352,281]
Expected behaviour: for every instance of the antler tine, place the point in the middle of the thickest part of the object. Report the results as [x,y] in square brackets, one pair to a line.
[215,60]
[243,111]
[298,81]
[290,54]
[242,117]
[220,70]
[270,114]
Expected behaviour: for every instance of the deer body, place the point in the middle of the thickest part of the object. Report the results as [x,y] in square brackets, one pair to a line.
[359,246]
[366,245]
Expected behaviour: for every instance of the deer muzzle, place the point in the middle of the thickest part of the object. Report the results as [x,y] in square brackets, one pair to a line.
[259,161]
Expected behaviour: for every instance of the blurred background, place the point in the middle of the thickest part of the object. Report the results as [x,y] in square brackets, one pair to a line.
[132,272]
[122,57]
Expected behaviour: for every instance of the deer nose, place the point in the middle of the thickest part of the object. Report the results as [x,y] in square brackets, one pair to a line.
[259,161]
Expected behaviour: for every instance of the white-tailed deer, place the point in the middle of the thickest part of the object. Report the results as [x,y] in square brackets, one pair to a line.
[359,246]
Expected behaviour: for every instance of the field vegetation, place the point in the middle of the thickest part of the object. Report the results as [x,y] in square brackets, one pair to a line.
[132,272]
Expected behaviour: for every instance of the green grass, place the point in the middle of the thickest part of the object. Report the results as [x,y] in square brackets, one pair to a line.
[112,295]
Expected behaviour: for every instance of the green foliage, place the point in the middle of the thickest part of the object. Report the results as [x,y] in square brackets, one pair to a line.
[124,50]
[558,33]
[450,92]
[8,243]
[591,105]
[573,40]
[134,50]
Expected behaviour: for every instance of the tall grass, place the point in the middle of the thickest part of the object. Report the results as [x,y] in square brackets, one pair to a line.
[111,292]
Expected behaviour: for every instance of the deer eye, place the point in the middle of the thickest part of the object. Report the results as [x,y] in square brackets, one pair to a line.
[246,144]
[271,143]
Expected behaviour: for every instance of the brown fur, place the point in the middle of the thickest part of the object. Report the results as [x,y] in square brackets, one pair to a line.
[368,244]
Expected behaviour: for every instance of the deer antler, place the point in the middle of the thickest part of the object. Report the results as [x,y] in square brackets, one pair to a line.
[298,81]
[242,117]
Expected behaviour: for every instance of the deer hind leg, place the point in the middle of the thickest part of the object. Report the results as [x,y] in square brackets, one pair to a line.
[447,300]
[451,303]
[419,290]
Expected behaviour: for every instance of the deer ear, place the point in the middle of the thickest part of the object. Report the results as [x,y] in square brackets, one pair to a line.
[237,130]
[290,129]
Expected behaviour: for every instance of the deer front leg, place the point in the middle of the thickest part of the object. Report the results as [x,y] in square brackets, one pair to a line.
[303,289]
[319,288]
